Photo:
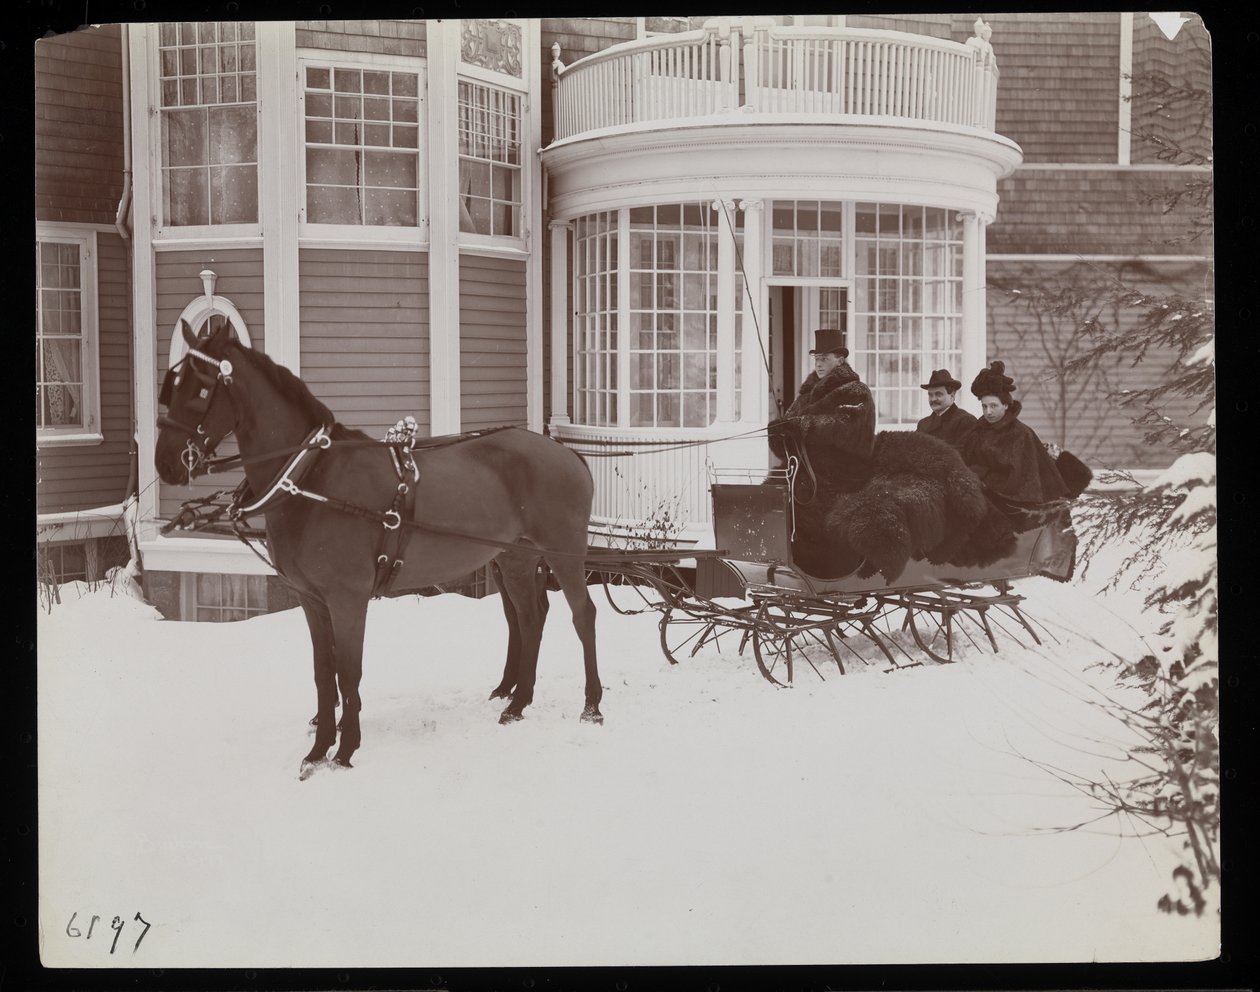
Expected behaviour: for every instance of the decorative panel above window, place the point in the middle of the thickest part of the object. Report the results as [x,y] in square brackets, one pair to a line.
[493,45]
[363,127]
[67,406]
[209,118]
[490,141]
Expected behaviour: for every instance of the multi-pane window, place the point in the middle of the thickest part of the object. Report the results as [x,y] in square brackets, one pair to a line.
[808,238]
[217,597]
[209,121]
[362,146]
[63,340]
[673,316]
[908,286]
[489,160]
[595,319]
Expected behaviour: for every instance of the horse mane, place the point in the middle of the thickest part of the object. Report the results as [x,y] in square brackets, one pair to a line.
[294,389]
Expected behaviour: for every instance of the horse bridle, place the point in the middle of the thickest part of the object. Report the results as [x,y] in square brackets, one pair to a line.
[199,446]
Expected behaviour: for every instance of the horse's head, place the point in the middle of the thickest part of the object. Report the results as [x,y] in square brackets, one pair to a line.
[200,411]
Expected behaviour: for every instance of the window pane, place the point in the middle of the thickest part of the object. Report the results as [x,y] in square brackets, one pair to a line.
[332,205]
[185,137]
[391,207]
[234,194]
[233,135]
[397,169]
[188,191]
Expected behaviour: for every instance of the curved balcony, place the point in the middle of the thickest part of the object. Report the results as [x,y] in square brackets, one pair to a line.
[755,67]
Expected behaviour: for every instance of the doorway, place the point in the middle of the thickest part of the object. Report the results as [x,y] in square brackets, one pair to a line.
[796,311]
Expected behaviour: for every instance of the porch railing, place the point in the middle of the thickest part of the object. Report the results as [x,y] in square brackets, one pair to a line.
[754,66]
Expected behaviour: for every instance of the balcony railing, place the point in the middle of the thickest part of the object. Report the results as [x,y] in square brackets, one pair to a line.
[753,66]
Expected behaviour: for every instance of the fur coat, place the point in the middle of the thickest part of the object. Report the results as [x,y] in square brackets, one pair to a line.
[832,421]
[952,426]
[1010,459]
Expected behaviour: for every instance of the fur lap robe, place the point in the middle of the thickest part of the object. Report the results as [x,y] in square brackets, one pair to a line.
[921,502]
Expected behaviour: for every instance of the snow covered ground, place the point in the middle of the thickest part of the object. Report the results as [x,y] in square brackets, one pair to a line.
[712,819]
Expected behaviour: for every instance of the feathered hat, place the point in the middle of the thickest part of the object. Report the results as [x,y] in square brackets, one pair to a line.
[993,381]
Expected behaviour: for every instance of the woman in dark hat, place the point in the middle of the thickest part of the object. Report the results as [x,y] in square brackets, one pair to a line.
[1005,452]
[947,421]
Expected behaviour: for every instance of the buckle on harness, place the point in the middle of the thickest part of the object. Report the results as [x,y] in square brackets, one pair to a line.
[397,520]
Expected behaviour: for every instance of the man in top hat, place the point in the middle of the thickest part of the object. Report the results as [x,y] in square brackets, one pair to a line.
[947,421]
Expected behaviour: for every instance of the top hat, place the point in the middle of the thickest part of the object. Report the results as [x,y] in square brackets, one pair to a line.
[993,381]
[941,377]
[829,340]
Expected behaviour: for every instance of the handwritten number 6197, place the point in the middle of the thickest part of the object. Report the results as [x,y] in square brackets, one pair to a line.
[116,925]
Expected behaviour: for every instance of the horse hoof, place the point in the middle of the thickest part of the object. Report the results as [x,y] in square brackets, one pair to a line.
[309,768]
[501,694]
[507,716]
[340,762]
[592,716]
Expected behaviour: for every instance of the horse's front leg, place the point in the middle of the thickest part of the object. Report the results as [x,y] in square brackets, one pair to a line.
[319,622]
[349,617]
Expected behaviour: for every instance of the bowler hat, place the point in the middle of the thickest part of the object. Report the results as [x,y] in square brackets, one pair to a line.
[941,377]
[829,340]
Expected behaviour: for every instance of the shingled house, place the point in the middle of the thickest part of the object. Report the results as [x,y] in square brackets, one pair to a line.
[421,217]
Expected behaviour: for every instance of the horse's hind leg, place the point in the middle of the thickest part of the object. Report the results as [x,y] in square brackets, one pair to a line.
[521,584]
[504,689]
[571,574]
[320,624]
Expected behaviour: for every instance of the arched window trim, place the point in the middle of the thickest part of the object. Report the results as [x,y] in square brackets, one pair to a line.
[197,313]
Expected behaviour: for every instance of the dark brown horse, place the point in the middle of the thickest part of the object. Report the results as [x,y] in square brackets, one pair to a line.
[518,499]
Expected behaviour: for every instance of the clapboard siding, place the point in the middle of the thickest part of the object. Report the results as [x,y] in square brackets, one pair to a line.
[1059,94]
[492,342]
[240,279]
[365,334]
[376,37]
[80,478]
[1088,212]
[78,126]
[1075,410]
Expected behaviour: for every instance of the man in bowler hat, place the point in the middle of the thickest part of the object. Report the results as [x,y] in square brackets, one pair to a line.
[947,421]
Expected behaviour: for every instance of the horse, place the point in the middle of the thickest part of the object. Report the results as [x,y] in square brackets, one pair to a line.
[510,497]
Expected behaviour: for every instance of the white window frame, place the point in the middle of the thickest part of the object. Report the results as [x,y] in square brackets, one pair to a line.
[91,431]
[308,232]
[193,232]
[520,87]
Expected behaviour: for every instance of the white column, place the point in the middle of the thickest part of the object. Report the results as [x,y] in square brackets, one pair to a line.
[974,345]
[623,318]
[725,310]
[278,140]
[142,44]
[534,317]
[559,321]
[755,384]
[1124,132]
[443,164]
